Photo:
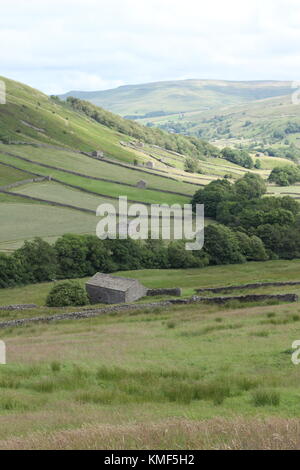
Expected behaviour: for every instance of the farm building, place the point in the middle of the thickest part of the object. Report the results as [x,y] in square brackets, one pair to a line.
[103,288]
[98,154]
[141,184]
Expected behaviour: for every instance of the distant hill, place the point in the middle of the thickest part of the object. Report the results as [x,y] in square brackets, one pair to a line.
[181,96]
[272,119]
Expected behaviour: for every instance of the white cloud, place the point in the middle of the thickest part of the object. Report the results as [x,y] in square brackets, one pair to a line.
[59,45]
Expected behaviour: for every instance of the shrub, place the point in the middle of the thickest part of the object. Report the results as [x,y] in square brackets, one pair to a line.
[67,294]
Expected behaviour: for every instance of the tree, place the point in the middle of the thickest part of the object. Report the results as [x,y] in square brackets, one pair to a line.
[251,186]
[240,157]
[222,245]
[251,247]
[211,195]
[38,259]
[285,176]
[257,164]
[191,165]
[180,258]
[71,252]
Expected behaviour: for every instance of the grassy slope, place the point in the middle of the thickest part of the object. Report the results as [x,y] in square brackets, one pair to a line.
[266,116]
[59,124]
[87,166]
[88,384]
[100,187]
[25,221]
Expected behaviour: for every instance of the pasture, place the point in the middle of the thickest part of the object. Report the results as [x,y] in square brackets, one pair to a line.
[184,377]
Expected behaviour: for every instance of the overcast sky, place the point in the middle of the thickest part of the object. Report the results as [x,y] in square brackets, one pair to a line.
[62,45]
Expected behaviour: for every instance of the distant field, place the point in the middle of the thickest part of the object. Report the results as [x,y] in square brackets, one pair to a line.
[25,221]
[91,167]
[58,193]
[285,190]
[100,187]
[10,175]
[268,163]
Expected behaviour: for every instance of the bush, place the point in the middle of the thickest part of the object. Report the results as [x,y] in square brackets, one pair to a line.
[285,176]
[67,294]
[266,398]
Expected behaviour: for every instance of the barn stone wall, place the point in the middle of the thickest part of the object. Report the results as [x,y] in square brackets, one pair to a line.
[175,291]
[135,292]
[103,295]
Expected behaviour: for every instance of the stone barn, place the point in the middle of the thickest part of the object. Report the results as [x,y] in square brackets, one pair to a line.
[98,154]
[103,288]
[142,184]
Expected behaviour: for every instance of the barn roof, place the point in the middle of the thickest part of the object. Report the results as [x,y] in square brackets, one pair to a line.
[112,282]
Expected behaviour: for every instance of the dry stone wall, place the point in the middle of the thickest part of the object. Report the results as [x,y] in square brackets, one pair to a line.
[90,313]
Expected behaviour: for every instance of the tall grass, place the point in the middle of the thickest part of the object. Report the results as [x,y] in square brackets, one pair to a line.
[115,385]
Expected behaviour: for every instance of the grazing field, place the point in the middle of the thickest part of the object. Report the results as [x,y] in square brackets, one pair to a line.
[292,191]
[101,187]
[182,377]
[26,221]
[10,175]
[59,193]
[88,166]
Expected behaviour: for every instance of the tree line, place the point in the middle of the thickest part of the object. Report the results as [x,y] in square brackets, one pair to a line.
[272,223]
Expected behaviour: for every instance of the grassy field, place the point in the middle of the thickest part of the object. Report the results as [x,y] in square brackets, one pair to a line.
[184,377]
[101,187]
[10,175]
[87,166]
[59,193]
[25,221]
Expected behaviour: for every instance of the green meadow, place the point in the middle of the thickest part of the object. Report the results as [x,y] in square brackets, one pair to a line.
[196,376]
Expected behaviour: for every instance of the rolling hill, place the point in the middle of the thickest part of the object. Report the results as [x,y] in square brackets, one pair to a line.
[271,120]
[181,96]
[222,112]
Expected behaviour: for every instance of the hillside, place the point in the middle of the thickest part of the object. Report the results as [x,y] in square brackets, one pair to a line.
[181,96]
[44,138]
[273,121]
[31,116]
